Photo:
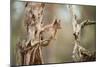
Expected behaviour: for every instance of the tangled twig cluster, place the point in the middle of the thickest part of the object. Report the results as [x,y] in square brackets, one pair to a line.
[79,52]
[30,49]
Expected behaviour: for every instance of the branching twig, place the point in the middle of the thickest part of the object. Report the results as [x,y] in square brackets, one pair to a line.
[80,53]
[87,22]
[31,47]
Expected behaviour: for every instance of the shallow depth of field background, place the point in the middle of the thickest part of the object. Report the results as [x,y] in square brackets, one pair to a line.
[60,50]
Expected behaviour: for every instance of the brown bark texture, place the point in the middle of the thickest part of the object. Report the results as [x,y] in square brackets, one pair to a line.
[79,52]
[29,50]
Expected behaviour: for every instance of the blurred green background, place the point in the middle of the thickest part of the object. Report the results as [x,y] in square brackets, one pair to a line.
[60,50]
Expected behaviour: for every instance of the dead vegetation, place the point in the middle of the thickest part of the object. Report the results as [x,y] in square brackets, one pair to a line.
[30,49]
[79,52]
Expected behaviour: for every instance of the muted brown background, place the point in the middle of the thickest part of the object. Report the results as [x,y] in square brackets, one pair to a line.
[60,50]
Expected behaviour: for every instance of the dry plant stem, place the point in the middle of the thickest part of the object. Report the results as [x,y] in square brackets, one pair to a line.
[30,49]
[79,52]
